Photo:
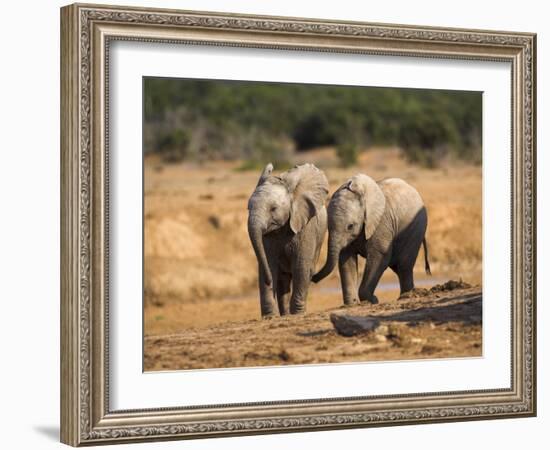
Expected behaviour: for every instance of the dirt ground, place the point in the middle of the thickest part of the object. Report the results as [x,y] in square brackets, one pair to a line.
[436,325]
[201,273]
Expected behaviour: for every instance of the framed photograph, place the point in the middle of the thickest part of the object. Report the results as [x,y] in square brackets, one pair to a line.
[276,224]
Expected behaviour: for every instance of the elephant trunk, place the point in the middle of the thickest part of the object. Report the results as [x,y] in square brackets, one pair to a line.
[256,237]
[333,252]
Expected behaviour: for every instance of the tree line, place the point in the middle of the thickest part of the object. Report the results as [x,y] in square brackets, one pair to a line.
[189,119]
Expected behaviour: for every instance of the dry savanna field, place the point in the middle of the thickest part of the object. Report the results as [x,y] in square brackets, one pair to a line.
[201,306]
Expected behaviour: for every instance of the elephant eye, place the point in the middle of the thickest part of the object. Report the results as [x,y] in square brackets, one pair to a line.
[350,226]
[273,208]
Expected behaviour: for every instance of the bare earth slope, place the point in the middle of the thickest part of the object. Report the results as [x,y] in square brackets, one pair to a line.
[432,325]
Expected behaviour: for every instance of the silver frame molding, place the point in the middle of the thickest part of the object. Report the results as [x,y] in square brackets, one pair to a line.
[86,32]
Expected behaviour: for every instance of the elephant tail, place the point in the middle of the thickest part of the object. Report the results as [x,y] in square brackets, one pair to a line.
[426,262]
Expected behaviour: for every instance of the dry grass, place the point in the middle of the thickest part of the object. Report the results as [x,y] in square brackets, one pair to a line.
[200,268]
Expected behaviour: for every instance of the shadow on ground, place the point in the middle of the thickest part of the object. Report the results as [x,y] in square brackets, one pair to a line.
[51,432]
[467,310]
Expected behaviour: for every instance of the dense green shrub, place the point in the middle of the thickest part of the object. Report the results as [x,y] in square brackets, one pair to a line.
[267,149]
[173,145]
[347,153]
[212,119]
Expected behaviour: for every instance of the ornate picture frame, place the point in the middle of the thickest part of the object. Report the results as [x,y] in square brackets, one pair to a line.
[86,34]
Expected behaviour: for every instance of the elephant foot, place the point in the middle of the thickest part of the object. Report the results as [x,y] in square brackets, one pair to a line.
[373,300]
[295,311]
[268,316]
[350,303]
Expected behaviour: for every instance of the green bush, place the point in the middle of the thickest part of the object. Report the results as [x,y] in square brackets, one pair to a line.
[267,149]
[222,119]
[426,136]
[347,153]
[173,146]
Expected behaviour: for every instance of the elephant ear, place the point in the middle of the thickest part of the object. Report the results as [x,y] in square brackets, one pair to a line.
[375,201]
[265,174]
[308,188]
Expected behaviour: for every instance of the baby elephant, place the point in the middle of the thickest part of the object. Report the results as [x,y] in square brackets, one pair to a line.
[287,222]
[384,222]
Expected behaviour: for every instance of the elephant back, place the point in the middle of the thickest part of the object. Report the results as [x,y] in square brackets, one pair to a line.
[403,199]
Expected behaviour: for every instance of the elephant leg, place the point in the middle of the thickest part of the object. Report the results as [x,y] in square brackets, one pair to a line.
[404,266]
[283,294]
[406,249]
[301,277]
[347,265]
[267,302]
[404,271]
[377,263]
[406,280]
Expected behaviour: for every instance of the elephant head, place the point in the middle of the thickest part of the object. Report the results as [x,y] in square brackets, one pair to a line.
[292,198]
[356,207]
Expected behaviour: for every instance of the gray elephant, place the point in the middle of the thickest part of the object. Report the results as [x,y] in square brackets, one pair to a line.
[287,222]
[384,222]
